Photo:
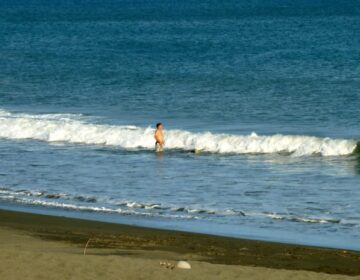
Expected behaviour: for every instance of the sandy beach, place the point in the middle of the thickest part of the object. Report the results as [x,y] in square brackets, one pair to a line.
[179,139]
[45,247]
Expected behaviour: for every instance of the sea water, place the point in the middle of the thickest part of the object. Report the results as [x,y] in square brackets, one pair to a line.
[266,92]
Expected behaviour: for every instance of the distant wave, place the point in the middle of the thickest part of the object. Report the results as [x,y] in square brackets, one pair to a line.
[91,204]
[71,128]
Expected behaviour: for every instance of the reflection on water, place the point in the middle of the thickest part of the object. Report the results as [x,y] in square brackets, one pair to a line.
[357,164]
[317,196]
[339,166]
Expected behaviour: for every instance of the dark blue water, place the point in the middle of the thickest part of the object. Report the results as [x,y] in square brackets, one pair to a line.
[267,91]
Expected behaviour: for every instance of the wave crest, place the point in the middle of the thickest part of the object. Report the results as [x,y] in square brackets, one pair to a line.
[74,129]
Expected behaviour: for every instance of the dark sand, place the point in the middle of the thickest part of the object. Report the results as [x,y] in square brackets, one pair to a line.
[116,239]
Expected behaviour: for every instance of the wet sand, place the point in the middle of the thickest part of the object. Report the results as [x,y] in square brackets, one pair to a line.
[47,247]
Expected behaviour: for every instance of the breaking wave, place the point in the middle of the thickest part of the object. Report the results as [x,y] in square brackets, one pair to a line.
[71,128]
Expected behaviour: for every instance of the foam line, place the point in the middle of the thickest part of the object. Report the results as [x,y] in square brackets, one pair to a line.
[83,203]
[68,128]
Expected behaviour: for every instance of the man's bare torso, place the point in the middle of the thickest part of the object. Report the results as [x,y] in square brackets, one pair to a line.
[159,137]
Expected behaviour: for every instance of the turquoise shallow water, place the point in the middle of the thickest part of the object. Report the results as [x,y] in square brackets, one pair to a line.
[268,90]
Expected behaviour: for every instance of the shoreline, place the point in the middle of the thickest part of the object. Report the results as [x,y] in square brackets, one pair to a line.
[211,249]
[246,233]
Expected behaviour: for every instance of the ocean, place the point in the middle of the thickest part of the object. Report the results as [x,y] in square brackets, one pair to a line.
[268,92]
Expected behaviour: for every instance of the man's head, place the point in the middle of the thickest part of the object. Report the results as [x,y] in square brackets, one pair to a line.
[159,126]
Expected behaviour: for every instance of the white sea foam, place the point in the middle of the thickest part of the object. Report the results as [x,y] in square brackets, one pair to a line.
[72,202]
[69,128]
[293,218]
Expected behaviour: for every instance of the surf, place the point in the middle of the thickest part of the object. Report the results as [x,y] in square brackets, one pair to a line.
[68,201]
[76,129]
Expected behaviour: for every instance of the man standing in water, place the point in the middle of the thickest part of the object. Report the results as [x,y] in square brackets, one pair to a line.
[159,137]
